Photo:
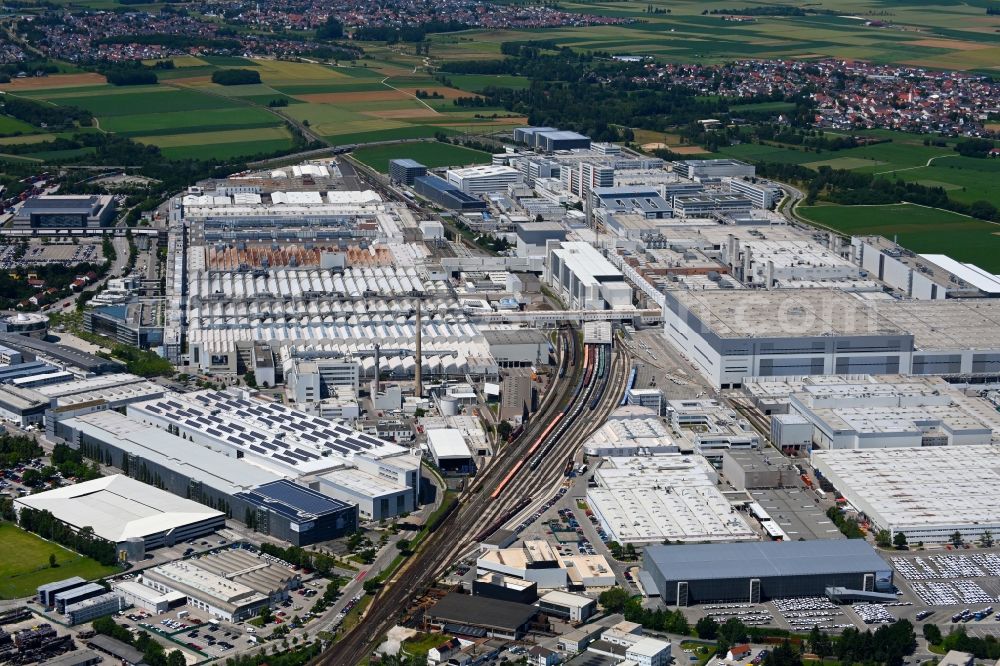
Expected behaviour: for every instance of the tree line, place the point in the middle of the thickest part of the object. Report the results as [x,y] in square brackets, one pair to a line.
[153,653]
[84,541]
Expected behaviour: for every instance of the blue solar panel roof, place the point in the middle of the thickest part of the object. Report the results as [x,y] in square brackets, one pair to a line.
[292,500]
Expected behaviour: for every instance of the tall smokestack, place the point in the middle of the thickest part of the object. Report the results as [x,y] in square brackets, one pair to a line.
[418,384]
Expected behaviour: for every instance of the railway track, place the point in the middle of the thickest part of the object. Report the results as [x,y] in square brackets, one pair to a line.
[477,508]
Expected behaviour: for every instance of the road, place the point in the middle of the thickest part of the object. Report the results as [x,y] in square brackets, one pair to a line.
[476,509]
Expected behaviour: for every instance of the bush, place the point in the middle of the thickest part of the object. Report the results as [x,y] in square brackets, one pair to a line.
[131,77]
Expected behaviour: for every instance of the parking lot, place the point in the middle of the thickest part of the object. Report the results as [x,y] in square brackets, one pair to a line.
[39,253]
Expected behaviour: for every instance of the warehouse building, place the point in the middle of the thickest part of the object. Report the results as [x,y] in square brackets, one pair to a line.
[485,179]
[52,211]
[243,567]
[22,406]
[757,572]
[135,516]
[927,493]
[721,168]
[404,171]
[446,194]
[480,617]
[532,236]
[646,202]
[551,141]
[631,431]
[585,278]
[517,347]
[296,514]
[449,451]
[538,561]
[646,500]
[47,593]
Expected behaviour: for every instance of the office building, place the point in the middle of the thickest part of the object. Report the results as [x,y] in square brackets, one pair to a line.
[134,593]
[30,324]
[446,195]
[707,205]
[760,195]
[51,211]
[643,201]
[90,609]
[65,598]
[485,179]
[756,572]
[404,171]
[532,236]
[297,514]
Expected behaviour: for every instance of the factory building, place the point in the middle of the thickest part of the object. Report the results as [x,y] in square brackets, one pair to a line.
[479,617]
[644,201]
[22,406]
[449,451]
[296,514]
[756,572]
[149,454]
[273,581]
[135,516]
[484,179]
[753,469]
[74,595]
[342,463]
[404,171]
[538,561]
[518,347]
[645,500]
[446,194]
[584,278]
[709,169]
[532,237]
[628,432]
[53,211]
[134,593]
[710,428]
[552,141]
[210,593]
[927,493]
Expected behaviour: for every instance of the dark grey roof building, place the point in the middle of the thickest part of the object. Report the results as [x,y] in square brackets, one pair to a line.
[753,572]
[477,616]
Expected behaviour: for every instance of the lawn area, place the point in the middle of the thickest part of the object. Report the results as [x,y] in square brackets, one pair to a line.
[418,646]
[10,126]
[923,230]
[431,154]
[24,563]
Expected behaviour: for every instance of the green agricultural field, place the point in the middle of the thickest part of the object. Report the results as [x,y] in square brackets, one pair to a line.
[431,154]
[917,228]
[10,126]
[146,124]
[225,151]
[479,82]
[24,563]
[134,100]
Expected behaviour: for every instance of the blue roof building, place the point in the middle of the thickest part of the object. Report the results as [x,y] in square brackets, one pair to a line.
[297,514]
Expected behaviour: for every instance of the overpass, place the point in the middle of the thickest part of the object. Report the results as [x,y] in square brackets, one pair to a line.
[556,317]
[79,232]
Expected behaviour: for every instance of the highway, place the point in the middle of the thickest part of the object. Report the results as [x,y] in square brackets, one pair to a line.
[476,509]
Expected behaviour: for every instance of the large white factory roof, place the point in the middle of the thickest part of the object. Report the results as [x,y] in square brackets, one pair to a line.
[625,436]
[974,275]
[951,324]
[266,433]
[587,263]
[483,171]
[925,492]
[119,508]
[294,282]
[786,313]
[649,499]
[447,444]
